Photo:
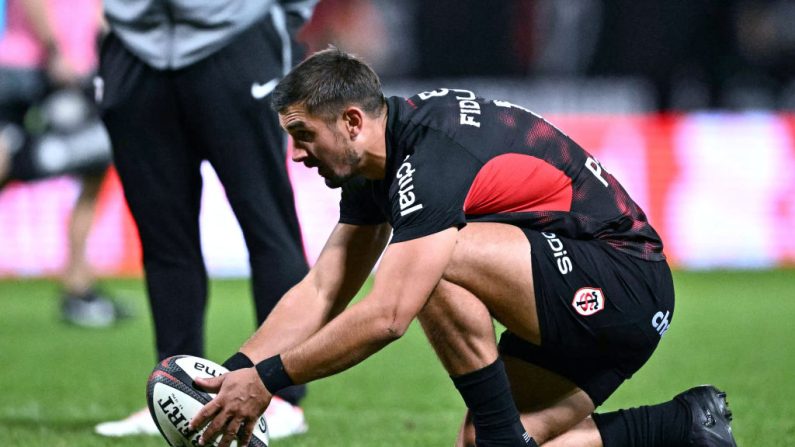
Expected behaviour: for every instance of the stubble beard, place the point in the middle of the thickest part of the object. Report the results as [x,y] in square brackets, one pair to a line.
[349,159]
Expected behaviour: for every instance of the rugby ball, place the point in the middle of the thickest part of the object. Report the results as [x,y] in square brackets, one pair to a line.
[174,400]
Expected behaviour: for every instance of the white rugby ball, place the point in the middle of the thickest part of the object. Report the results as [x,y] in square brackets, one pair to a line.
[174,400]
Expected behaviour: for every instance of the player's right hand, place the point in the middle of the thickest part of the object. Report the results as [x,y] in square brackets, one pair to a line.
[241,400]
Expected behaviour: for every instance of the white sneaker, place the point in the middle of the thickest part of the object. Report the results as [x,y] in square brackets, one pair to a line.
[284,419]
[138,423]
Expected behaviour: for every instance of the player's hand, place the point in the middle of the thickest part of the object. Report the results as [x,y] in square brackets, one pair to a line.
[241,400]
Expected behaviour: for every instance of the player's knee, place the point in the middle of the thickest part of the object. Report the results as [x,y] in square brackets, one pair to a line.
[442,293]
[437,305]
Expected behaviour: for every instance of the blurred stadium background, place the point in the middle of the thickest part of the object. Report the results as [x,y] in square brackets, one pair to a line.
[688,103]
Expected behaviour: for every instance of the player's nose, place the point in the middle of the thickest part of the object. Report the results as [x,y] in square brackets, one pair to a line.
[298,154]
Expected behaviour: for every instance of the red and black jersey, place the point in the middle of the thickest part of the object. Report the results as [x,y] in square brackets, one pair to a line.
[454,158]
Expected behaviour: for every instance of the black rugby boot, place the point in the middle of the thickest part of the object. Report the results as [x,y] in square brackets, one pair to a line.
[711,416]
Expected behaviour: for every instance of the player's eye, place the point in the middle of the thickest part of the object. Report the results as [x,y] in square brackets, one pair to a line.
[303,136]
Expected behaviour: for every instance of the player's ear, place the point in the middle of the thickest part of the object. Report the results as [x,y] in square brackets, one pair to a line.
[353,117]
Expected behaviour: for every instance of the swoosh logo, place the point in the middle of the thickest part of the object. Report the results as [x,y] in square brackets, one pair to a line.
[259,91]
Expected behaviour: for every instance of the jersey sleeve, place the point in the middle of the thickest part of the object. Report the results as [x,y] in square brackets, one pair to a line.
[358,205]
[429,189]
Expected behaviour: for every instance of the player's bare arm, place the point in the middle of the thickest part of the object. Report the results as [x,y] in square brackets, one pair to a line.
[405,279]
[342,267]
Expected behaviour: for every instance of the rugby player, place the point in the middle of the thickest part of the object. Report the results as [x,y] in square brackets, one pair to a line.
[493,212]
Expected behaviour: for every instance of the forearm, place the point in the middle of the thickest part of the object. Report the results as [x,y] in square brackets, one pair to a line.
[381,317]
[359,332]
[298,315]
[341,269]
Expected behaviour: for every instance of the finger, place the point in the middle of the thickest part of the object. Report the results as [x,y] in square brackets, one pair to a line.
[246,432]
[204,415]
[215,427]
[230,432]
[211,384]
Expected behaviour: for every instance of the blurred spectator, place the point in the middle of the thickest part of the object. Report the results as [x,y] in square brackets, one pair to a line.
[378,31]
[473,38]
[352,24]
[683,48]
[563,33]
[49,127]
[765,33]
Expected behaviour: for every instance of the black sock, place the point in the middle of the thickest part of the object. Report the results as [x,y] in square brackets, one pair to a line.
[662,425]
[487,394]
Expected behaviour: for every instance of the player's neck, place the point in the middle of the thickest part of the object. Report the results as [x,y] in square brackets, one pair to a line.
[374,166]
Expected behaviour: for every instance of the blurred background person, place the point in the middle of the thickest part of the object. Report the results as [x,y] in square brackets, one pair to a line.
[183,82]
[684,50]
[765,45]
[49,127]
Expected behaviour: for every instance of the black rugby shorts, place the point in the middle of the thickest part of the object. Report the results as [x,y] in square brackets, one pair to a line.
[601,312]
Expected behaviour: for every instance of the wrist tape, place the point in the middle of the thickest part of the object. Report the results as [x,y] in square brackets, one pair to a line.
[274,377]
[238,361]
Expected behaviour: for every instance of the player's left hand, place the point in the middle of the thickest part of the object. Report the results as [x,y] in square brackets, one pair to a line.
[241,400]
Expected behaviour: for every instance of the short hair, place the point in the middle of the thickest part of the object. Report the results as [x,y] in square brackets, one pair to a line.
[328,81]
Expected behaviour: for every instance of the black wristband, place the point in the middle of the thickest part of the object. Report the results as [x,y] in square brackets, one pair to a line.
[238,361]
[274,377]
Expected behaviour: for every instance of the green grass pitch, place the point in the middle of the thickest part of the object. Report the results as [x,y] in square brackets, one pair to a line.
[733,329]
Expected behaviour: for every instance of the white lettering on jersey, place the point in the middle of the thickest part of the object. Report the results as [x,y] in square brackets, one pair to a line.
[661,322]
[563,261]
[434,93]
[468,107]
[596,169]
[406,196]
